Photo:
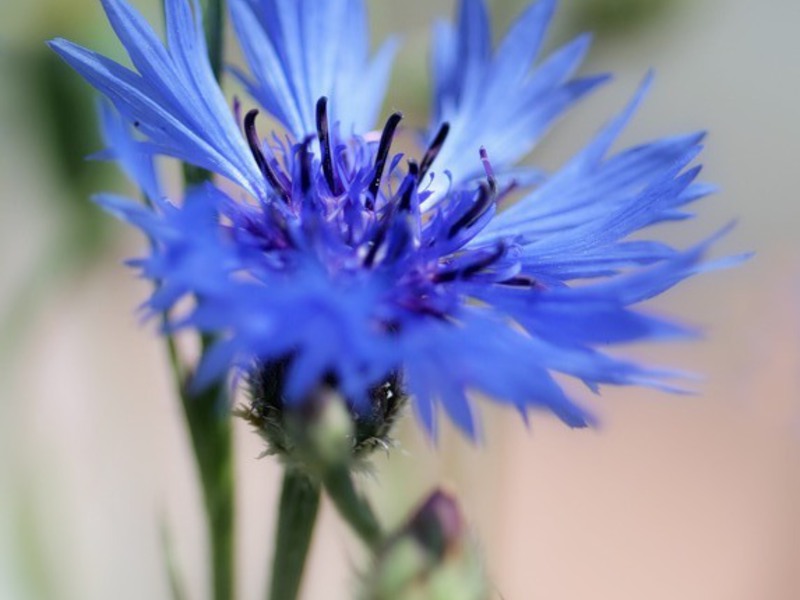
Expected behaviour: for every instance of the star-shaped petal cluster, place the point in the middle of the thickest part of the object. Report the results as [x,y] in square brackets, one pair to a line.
[457,268]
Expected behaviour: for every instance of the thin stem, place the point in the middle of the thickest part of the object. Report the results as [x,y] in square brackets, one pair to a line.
[352,506]
[214,24]
[296,519]
[175,584]
[175,362]
[207,413]
[210,428]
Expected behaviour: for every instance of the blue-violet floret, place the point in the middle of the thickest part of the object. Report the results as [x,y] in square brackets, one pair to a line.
[456,268]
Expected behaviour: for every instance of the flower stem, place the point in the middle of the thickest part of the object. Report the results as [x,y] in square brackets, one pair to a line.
[214,23]
[175,583]
[296,519]
[352,505]
[207,413]
[210,428]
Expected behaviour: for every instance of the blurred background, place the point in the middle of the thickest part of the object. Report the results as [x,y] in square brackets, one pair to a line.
[696,498]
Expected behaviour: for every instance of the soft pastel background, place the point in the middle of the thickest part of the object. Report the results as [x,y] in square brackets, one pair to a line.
[674,498]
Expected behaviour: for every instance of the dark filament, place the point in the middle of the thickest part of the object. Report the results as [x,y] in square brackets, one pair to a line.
[433,150]
[520,281]
[408,192]
[383,154]
[378,240]
[404,205]
[485,198]
[487,166]
[237,109]
[305,165]
[323,133]
[261,160]
[469,270]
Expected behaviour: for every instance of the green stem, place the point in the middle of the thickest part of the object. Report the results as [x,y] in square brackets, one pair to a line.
[298,513]
[211,429]
[214,24]
[175,584]
[207,413]
[352,506]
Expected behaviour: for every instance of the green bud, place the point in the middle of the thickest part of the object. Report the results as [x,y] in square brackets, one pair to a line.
[431,557]
[324,430]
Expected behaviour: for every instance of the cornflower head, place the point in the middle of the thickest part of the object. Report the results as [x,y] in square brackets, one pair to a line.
[327,260]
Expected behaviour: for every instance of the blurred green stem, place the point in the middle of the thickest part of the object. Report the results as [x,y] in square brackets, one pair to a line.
[352,506]
[298,514]
[296,518]
[175,584]
[207,412]
[210,427]
[214,23]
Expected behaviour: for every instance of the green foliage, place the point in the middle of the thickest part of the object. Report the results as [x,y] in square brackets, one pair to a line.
[617,16]
[68,120]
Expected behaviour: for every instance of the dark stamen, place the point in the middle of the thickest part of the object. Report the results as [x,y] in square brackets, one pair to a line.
[485,198]
[408,191]
[469,270]
[305,165]
[487,167]
[323,133]
[377,241]
[261,161]
[237,109]
[383,153]
[520,281]
[433,150]
[398,243]
[486,262]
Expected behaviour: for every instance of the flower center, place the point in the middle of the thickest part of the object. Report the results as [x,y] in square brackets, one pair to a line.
[349,205]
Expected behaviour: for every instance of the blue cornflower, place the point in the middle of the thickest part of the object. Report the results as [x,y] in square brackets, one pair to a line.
[347,264]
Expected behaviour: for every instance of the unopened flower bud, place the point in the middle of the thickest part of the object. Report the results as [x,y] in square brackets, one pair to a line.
[325,428]
[322,429]
[431,557]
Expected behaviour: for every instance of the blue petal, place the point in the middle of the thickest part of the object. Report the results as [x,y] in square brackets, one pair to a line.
[493,101]
[301,50]
[174,99]
[439,283]
[133,156]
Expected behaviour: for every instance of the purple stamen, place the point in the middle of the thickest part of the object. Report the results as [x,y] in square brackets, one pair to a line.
[469,270]
[305,165]
[237,109]
[487,167]
[433,150]
[485,198]
[380,237]
[258,154]
[408,191]
[323,133]
[404,205]
[520,281]
[383,153]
